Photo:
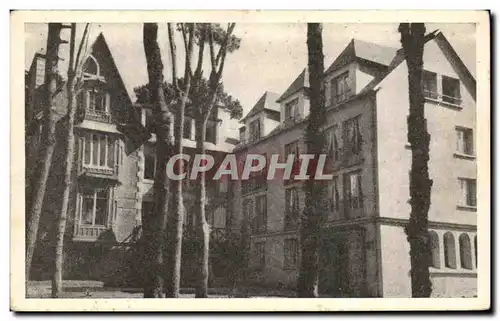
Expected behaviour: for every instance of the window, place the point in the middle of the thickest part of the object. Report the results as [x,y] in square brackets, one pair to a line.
[211,133]
[468,187]
[450,260]
[260,255]
[352,136]
[451,90]
[291,251]
[149,162]
[260,220]
[465,141]
[94,101]
[332,143]
[340,88]
[292,208]
[292,149]
[465,251]
[242,134]
[99,151]
[291,109]
[187,128]
[435,254]
[95,207]
[247,209]
[430,84]
[91,67]
[334,197]
[353,192]
[254,130]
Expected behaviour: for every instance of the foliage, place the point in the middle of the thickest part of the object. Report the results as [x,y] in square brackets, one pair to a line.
[202,91]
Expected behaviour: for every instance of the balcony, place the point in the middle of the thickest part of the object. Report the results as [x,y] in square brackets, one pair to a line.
[88,233]
[96,115]
[90,171]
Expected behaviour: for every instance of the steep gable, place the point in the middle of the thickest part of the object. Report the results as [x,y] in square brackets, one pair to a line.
[301,82]
[266,102]
[358,50]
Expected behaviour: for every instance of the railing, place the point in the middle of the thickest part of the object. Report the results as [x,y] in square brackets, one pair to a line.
[99,170]
[97,115]
[88,232]
[444,98]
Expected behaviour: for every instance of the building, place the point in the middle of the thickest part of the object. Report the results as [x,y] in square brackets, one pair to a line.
[364,250]
[113,169]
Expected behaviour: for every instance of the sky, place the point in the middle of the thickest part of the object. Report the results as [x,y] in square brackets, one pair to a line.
[270,57]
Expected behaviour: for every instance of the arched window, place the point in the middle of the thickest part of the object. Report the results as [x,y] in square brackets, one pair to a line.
[91,67]
[450,258]
[434,245]
[475,248]
[465,251]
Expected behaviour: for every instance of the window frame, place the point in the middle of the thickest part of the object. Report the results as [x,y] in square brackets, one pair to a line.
[340,89]
[88,140]
[451,99]
[94,198]
[465,139]
[468,196]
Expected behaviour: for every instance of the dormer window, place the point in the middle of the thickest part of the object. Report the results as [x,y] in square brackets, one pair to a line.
[340,89]
[254,130]
[291,109]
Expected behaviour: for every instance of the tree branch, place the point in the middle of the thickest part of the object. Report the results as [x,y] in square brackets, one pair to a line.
[201,49]
[189,49]
[80,47]
[211,45]
[223,50]
[230,28]
[173,56]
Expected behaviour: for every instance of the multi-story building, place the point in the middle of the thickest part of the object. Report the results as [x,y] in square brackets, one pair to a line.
[364,250]
[113,168]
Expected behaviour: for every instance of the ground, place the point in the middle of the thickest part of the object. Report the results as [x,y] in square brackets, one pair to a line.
[95,290]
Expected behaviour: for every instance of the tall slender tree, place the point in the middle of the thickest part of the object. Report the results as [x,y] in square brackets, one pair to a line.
[307,282]
[413,41]
[48,141]
[214,35]
[154,226]
[69,138]
[175,219]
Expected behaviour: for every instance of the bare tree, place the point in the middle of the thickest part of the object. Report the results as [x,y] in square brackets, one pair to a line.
[48,141]
[413,41]
[69,136]
[154,227]
[307,282]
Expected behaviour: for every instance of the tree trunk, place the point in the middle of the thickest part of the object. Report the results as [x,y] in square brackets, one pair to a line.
[202,230]
[310,223]
[176,219]
[154,230]
[48,143]
[413,40]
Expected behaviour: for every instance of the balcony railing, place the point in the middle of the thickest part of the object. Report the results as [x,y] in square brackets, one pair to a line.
[88,232]
[96,115]
[444,98]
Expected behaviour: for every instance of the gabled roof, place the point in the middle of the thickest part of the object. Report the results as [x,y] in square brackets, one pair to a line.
[366,51]
[301,82]
[266,102]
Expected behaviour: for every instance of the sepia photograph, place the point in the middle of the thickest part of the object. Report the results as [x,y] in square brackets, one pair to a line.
[250,155]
